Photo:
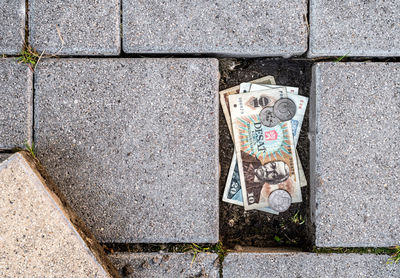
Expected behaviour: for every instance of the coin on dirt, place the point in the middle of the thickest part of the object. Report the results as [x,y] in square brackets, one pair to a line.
[279,200]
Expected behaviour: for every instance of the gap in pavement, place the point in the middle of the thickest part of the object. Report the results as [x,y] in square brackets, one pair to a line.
[240,228]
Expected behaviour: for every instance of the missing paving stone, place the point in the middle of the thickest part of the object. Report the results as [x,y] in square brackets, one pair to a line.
[240,228]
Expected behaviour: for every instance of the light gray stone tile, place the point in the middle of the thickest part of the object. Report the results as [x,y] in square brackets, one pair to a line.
[12,26]
[308,265]
[75,27]
[133,144]
[15,104]
[355,28]
[233,28]
[355,166]
[172,265]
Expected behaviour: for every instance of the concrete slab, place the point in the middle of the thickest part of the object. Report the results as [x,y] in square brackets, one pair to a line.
[15,104]
[12,26]
[355,28]
[76,27]
[133,144]
[355,168]
[40,235]
[308,265]
[231,28]
[4,156]
[172,265]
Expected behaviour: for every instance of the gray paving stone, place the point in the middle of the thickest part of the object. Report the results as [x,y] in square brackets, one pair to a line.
[38,233]
[172,265]
[15,104]
[355,28]
[75,27]
[238,28]
[12,26]
[133,144]
[355,168]
[4,156]
[308,265]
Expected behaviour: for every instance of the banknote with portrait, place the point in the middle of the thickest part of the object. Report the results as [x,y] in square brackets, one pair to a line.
[264,145]
[232,192]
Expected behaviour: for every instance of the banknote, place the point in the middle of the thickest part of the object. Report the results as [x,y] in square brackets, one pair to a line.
[265,153]
[224,97]
[233,193]
[297,121]
[250,87]
[233,190]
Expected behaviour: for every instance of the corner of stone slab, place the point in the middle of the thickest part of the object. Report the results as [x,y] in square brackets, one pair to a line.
[38,169]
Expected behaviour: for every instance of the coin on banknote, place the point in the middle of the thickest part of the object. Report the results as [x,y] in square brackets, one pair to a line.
[279,200]
[285,109]
[268,118]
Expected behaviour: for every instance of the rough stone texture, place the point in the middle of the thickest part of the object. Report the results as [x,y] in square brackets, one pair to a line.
[75,27]
[308,265]
[38,238]
[15,104]
[355,154]
[133,144]
[4,156]
[172,265]
[355,28]
[12,26]
[238,28]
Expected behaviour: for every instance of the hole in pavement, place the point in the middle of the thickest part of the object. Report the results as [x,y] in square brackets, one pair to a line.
[240,228]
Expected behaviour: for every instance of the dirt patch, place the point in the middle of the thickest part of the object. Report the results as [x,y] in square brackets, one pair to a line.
[253,228]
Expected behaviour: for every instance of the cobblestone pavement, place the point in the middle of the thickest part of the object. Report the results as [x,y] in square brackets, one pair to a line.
[121,104]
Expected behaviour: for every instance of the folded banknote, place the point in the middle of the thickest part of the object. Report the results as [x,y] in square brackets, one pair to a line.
[233,193]
[264,145]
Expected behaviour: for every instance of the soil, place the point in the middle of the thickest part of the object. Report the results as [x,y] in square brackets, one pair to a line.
[240,228]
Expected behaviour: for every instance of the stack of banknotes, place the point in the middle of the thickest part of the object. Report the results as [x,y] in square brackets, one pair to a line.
[264,120]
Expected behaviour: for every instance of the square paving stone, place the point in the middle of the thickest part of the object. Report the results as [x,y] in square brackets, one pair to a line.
[238,28]
[171,265]
[355,28]
[308,265]
[40,235]
[133,144]
[75,27]
[12,26]
[355,166]
[15,104]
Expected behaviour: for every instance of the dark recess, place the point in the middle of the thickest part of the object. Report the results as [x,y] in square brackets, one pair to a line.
[253,228]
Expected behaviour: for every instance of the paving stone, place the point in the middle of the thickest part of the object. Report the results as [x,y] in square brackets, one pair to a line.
[40,236]
[308,265]
[133,144]
[75,27]
[12,26]
[355,28]
[238,28]
[4,156]
[355,168]
[172,265]
[15,104]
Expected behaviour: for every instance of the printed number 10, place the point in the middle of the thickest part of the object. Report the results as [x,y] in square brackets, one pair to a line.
[262,101]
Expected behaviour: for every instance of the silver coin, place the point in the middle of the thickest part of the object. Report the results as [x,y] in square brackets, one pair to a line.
[268,118]
[279,200]
[285,109]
